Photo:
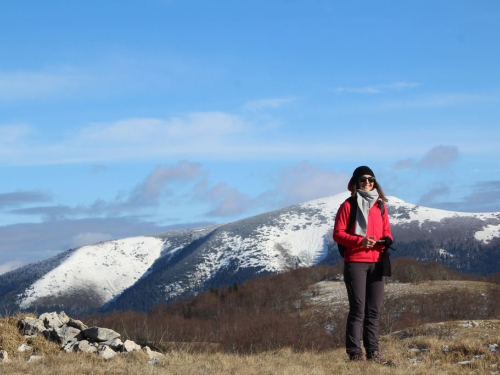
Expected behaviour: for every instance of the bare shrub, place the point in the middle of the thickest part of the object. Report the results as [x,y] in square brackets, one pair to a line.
[259,315]
[274,312]
[409,270]
[494,278]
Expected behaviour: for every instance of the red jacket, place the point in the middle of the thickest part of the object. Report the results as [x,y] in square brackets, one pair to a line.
[378,227]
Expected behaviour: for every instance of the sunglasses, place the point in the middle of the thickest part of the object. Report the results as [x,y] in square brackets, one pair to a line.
[364,179]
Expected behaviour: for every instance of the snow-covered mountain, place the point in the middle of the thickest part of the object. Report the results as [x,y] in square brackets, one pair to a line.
[140,272]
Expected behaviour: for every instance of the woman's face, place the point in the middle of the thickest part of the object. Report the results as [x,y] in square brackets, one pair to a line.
[365,183]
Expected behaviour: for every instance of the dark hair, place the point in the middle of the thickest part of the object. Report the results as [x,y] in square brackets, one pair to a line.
[376,185]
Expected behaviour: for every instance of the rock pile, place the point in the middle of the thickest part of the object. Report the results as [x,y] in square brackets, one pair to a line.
[74,336]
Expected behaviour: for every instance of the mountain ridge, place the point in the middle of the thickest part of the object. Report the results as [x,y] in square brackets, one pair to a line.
[141,272]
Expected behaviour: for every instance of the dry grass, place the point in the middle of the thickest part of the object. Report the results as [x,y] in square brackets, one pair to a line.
[415,351]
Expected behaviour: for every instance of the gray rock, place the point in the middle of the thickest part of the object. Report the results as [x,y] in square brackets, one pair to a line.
[51,320]
[63,317]
[106,352]
[130,346]
[76,324]
[494,348]
[35,358]
[415,361]
[24,348]
[31,326]
[4,356]
[152,354]
[70,347]
[66,334]
[115,344]
[85,347]
[100,334]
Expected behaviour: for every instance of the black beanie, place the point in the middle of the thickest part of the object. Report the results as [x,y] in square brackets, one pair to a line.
[358,172]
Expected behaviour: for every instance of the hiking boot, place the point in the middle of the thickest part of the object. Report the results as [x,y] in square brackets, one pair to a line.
[359,357]
[376,357]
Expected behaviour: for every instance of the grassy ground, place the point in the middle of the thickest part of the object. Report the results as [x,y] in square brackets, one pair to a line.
[428,349]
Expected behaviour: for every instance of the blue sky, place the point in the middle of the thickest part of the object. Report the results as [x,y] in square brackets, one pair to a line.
[123,118]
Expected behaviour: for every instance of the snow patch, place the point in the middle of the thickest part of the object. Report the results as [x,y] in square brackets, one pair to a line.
[488,233]
[106,269]
[444,253]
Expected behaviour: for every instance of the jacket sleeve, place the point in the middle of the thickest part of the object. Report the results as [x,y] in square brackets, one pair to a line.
[339,231]
[387,226]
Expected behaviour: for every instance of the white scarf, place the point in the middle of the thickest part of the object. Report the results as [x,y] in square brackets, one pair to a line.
[366,200]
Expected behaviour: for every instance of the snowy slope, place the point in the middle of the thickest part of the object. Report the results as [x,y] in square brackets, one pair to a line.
[296,236]
[402,212]
[106,269]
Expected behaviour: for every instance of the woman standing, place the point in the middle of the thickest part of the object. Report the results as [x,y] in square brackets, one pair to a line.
[364,243]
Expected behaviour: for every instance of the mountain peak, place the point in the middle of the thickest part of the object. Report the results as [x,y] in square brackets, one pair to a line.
[140,272]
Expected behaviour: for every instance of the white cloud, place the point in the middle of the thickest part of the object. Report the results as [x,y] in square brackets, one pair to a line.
[20,198]
[199,135]
[154,132]
[439,100]
[256,105]
[429,198]
[208,135]
[438,156]
[377,89]
[162,176]
[228,201]
[33,85]
[9,266]
[163,181]
[31,242]
[304,182]
[88,238]
[297,184]
[10,134]
[357,90]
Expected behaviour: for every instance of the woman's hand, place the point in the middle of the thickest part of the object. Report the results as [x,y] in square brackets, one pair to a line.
[368,242]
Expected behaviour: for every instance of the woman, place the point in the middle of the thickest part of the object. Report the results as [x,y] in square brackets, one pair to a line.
[364,242]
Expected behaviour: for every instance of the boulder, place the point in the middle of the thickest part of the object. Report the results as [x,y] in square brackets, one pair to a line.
[152,354]
[31,326]
[85,347]
[51,320]
[130,346]
[106,352]
[63,317]
[70,347]
[24,348]
[115,344]
[65,334]
[35,358]
[4,356]
[76,324]
[100,334]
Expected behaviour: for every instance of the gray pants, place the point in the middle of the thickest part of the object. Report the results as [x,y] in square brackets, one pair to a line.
[365,289]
